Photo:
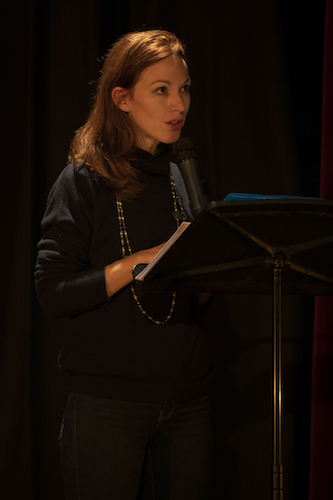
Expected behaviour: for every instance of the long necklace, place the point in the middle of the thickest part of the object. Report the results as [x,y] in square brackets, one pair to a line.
[179,214]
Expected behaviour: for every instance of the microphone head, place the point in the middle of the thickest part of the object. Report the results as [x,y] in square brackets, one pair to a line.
[183,149]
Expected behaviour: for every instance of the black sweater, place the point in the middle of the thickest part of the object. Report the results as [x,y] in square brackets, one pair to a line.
[114,351]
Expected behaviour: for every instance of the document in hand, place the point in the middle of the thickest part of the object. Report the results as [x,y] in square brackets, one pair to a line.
[183,226]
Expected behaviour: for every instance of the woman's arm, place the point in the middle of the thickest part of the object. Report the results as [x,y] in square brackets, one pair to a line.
[120,273]
[63,290]
[66,282]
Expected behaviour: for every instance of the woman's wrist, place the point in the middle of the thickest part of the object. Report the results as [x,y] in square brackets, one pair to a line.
[118,274]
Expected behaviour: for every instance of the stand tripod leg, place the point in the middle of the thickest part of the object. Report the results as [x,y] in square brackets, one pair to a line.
[277,482]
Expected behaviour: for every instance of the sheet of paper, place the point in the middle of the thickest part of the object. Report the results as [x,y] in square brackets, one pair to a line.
[183,226]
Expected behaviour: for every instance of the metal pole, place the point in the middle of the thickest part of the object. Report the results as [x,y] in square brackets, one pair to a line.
[277,483]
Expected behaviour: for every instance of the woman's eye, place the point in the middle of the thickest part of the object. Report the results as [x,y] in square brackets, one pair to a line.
[161,90]
[186,88]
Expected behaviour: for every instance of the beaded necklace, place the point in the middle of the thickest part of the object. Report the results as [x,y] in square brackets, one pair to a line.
[179,214]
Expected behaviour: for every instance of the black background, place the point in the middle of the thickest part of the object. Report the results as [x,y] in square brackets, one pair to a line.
[256,124]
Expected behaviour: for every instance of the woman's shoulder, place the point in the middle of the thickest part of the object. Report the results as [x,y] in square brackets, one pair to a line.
[77,172]
[78,179]
[76,194]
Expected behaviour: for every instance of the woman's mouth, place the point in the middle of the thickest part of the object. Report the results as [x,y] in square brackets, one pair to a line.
[175,124]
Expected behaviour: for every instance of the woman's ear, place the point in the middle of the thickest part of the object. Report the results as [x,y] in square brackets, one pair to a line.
[120,97]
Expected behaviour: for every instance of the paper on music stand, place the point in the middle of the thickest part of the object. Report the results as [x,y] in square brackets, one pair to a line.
[183,226]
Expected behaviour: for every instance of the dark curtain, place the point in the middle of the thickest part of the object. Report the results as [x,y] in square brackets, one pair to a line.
[322,380]
[255,122]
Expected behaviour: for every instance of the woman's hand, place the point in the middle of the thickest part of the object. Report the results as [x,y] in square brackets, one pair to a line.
[120,273]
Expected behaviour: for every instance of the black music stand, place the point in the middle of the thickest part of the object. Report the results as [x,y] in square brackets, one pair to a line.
[267,246]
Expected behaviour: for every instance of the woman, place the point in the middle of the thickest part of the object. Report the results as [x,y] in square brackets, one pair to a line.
[137,419]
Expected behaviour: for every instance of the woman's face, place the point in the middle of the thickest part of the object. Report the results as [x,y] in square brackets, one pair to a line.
[159,102]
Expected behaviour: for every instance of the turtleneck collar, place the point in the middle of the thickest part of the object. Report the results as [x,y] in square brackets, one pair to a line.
[157,164]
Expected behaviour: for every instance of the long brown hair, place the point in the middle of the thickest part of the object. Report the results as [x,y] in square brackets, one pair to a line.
[106,141]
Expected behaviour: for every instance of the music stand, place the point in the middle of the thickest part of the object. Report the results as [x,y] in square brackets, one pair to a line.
[268,246]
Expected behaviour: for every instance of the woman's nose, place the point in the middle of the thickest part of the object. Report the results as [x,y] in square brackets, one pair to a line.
[178,102]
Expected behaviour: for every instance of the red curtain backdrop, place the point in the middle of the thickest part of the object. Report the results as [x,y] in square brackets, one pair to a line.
[321,484]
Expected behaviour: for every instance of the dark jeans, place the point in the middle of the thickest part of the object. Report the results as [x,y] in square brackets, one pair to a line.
[120,450]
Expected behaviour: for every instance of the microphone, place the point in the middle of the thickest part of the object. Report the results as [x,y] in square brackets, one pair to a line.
[186,159]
